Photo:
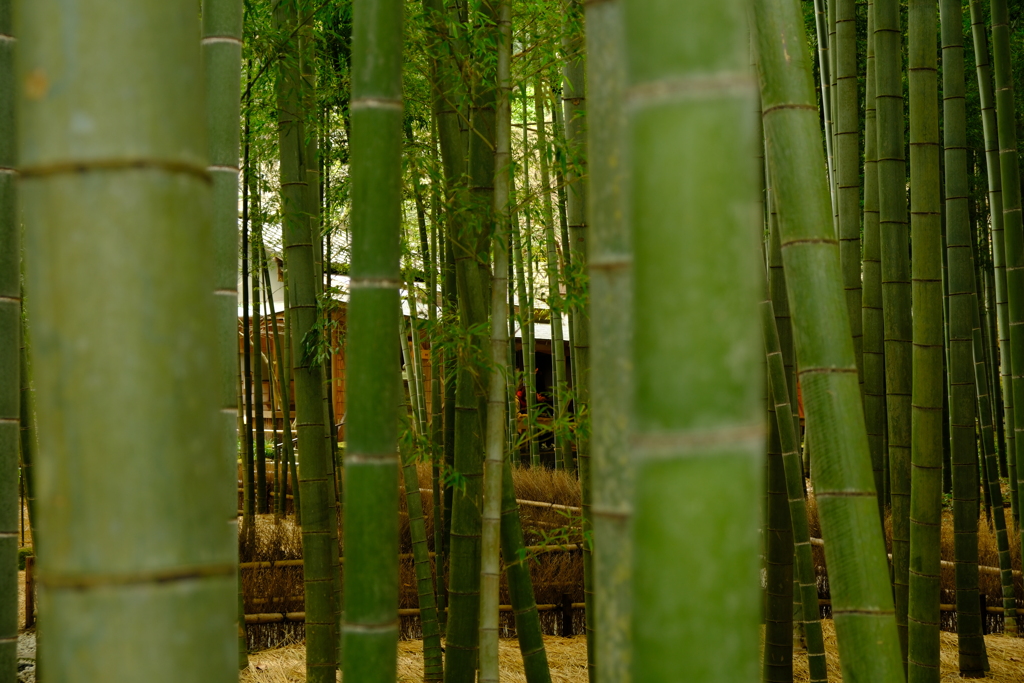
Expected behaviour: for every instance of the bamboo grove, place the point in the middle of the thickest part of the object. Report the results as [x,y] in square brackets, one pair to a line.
[741,269]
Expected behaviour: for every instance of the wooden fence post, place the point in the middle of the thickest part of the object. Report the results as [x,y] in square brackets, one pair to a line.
[566,616]
[30,591]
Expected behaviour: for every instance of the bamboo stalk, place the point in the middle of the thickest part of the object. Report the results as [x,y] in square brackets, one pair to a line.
[10,352]
[1009,167]
[497,399]
[371,461]
[610,268]
[962,299]
[990,130]
[315,481]
[896,289]
[872,322]
[928,346]
[697,432]
[843,479]
[433,667]
[793,485]
[130,199]
[554,299]
[258,423]
[847,177]
[221,48]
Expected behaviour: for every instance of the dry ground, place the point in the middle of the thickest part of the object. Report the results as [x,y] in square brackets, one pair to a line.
[568,660]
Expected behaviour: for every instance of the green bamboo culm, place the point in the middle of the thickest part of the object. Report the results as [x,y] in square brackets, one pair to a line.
[221,47]
[316,479]
[778,556]
[10,351]
[991,485]
[433,666]
[896,289]
[780,303]
[824,71]
[563,457]
[806,580]
[843,480]
[520,585]
[995,197]
[847,150]
[780,610]
[28,439]
[873,349]
[609,262]
[256,258]
[1013,231]
[962,303]
[524,287]
[497,398]
[928,348]
[370,630]
[574,107]
[470,240]
[983,71]
[153,540]
[284,398]
[698,431]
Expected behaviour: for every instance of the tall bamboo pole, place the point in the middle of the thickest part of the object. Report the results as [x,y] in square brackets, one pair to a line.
[843,481]
[448,94]
[470,240]
[962,368]
[986,96]
[127,196]
[990,484]
[806,582]
[248,442]
[847,150]
[221,48]
[433,667]
[698,420]
[284,385]
[928,350]
[896,289]
[316,481]
[830,19]
[872,325]
[257,256]
[437,371]
[574,111]
[10,349]
[286,347]
[609,263]
[497,398]
[1009,166]
[780,301]
[562,457]
[370,634]
[28,439]
[524,285]
[777,666]
[825,84]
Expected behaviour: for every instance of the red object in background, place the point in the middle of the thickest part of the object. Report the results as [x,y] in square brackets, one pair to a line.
[799,401]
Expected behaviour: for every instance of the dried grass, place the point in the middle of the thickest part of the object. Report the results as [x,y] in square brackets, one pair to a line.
[1005,655]
[567,658]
